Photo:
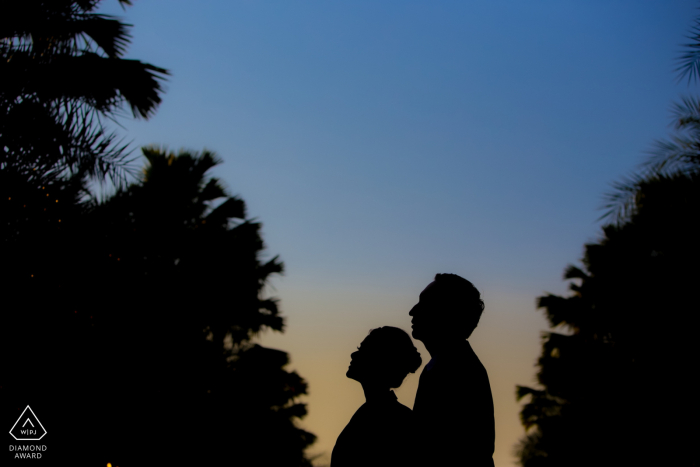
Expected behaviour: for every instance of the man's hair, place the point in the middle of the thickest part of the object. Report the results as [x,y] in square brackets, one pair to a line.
[460,298]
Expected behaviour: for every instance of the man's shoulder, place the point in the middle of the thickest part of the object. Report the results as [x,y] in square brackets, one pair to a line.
[473,360]
[462,356]
[461,367]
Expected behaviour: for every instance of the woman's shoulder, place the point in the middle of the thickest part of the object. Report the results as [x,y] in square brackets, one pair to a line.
[402,409]
[399,413]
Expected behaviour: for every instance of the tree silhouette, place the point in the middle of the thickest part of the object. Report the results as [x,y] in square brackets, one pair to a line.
[617,389]
[679,155]
[63,73]
[130,324]
[151,305]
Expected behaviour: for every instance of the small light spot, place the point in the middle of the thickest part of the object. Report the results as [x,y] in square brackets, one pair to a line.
[47,194]
[32,275]
[118,259]
[59,220]
[10,198]
[57,201]
[109,464]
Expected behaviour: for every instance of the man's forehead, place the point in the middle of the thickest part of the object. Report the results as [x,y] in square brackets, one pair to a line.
[429,290]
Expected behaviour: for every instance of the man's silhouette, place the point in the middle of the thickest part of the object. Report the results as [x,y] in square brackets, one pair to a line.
[453,407]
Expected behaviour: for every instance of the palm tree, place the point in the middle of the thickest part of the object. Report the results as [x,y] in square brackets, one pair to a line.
[669,158]
[619,354]
[191,261]
[607,385]
[63,73]
[146,307]
[189,230]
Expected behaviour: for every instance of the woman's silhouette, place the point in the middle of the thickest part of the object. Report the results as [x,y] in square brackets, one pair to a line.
[381,433]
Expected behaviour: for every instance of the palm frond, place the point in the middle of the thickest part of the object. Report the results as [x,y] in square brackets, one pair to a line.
[232,208]
[689,62]
[273,266]
[620,202]
[680,154]
[573,272]
[213,190]
[205,161]
[62,139]
[63,54]
[92,150]
[522,391]
[110,34]
[687,113]
[45,28]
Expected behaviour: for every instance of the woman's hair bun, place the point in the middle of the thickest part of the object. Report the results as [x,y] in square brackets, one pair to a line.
[404,356]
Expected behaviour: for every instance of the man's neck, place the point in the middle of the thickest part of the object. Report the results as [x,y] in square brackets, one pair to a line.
[439,347]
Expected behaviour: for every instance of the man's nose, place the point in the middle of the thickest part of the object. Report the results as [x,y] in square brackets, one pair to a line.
[413,311]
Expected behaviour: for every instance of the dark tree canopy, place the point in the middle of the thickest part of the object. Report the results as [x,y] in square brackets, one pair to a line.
[618,388]
[63,73]
[143,307]
[129,323]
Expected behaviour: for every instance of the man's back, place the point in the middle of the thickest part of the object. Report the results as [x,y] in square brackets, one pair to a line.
[454,410]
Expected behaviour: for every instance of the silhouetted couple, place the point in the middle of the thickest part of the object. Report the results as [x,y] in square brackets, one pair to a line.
[452,420]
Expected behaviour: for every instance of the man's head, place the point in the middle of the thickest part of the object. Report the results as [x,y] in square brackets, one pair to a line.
[449,308]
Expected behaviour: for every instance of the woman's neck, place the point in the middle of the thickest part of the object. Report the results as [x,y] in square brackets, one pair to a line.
[375,392]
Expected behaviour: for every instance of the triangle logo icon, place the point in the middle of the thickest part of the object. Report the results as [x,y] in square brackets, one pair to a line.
[27,427]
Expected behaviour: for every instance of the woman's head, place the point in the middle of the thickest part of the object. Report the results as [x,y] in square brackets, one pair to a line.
[385,357]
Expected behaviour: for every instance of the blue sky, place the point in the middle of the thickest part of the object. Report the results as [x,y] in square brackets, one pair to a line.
[381,142]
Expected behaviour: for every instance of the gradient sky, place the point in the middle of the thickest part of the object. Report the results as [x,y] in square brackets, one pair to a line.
[381,142]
